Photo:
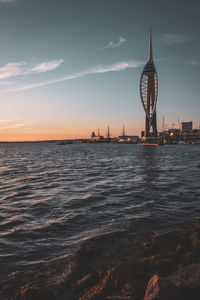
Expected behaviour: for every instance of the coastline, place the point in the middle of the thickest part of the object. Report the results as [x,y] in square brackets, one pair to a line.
[117,266]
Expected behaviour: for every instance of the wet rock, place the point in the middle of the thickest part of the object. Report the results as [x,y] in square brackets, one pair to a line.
[116,266]
[126,293]
[167,241]
[119,298]
[87,253]
[34,292]
[159,288]
[154,264]
[195,238]
[114,281]
[188,257]
[188,279]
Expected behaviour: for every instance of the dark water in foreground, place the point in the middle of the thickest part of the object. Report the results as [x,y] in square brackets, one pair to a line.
[54,197]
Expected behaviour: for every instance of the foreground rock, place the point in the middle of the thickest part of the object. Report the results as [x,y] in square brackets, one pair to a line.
[116,266]
[160,288]
[188,280]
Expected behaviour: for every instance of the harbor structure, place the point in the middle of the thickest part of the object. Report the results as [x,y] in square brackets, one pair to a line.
[148,95]
[108,132]
[127,139]
[96,138]
[185,134]
[122,139]
[186,126]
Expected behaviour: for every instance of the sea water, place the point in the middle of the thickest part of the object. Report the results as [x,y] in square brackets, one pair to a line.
[54,197]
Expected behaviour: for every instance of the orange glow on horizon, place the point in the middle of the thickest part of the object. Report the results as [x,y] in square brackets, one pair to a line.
[57,133]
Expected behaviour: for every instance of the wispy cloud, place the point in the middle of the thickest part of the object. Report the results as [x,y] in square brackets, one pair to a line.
[119,66]
[5,121]
[10,120]
[172,39]
[11,69]
[12,123]
[47,66]
[194,62]
[5,82]
[7,1]
[112,44]
[24,68]
[14,126]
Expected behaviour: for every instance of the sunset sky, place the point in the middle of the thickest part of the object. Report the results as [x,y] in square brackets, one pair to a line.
[68,67]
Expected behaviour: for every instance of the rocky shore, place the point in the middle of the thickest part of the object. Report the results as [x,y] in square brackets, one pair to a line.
[117,266]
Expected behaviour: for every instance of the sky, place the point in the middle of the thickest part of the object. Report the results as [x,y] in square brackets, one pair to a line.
[69,67]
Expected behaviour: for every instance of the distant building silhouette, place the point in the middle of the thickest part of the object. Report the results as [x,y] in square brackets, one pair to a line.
[96,138]
[93,135]
[186,126]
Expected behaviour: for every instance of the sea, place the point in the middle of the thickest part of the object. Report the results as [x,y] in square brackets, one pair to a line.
[53,197]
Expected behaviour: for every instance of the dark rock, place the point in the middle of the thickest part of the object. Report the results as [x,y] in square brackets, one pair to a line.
[154,264]
[189,257]
[119,298]
[33,293]
[159,288]
[195,238]
[188,279]
[86,253]
[115,266]
[127,293]
[165,241]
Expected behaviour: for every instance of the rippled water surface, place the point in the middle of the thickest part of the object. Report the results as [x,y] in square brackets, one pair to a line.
[54,197]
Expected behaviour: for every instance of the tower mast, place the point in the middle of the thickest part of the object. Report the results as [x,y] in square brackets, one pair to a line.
[149,93]
[123,131]
[108,132]
[150,58]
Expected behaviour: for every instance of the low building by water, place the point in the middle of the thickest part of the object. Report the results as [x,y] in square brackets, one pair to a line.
[175,136]
[131,139]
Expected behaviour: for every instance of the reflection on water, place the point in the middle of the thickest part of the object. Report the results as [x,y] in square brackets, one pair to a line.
[150,169]
[53,197]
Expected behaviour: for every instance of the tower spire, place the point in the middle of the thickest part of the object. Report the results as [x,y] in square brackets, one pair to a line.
[150,46]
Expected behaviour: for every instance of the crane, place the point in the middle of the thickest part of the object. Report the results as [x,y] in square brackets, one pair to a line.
[179,124]
[180,130]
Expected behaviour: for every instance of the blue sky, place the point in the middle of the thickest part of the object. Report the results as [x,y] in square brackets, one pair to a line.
[70,67]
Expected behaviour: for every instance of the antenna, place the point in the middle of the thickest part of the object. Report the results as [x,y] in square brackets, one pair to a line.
[150,46]
[108,132]
[179,124]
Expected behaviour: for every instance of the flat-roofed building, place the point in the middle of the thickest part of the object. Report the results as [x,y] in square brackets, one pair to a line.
[186,126]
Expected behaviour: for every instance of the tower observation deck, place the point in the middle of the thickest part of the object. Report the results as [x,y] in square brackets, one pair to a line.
[149,94]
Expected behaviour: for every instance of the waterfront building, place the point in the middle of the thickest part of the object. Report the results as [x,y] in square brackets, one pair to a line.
[148,95]
[177,136]
[186,126]
[97,138]
[93,135]
[128,139]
